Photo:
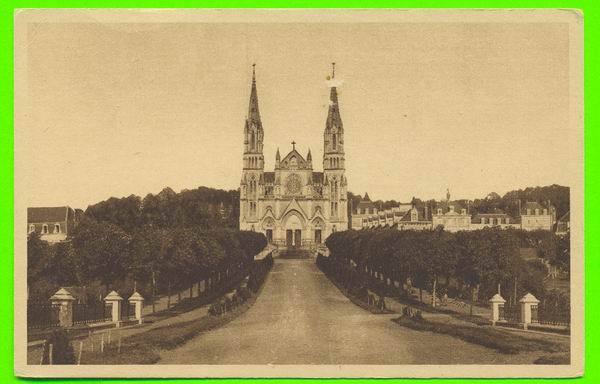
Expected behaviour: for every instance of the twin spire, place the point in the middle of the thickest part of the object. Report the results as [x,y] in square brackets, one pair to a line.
[333,115]
[253,112]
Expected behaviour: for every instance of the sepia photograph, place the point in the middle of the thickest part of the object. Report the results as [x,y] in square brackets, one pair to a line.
[298,193]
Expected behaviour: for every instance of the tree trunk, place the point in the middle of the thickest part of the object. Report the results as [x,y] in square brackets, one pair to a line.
[169,294]
[191,287]
[153,292]
[515,292]
[433,294]
[472,300]
[421,294]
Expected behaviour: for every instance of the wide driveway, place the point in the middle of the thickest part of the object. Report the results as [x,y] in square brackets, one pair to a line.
[300,317]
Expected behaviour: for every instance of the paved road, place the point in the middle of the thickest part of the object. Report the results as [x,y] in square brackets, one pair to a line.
[301,318]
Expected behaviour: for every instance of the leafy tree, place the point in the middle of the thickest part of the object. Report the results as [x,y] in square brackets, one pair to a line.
[38,258]
[147,255]
[562,257]
[103,249]
[64,266]
[124,212]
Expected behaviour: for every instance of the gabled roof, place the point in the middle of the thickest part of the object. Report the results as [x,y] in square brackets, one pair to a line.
[496,212]
[47,214]
[445,206]
[365,204]
[294,206]
[476,219]
[533,205]
[420,215]
[302,163]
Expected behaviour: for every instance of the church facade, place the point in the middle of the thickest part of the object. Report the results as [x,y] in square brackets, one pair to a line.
[293,205]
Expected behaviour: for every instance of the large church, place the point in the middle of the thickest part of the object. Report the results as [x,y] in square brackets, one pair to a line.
[293,205]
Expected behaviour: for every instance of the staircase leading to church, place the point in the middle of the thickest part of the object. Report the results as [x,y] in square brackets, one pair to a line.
[294,253]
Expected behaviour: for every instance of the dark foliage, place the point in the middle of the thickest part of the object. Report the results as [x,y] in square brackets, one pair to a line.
[202,207]
[62,350]
[476,261]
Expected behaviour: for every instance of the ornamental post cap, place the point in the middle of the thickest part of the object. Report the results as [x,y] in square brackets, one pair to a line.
[113,296]
[62,295]
[136,297]
[529,298]
[497,299]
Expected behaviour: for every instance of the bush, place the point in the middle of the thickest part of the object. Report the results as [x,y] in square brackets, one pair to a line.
[62,350]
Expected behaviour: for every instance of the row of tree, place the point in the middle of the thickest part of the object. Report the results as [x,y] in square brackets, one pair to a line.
[474,263]
[202,207]
[152,256]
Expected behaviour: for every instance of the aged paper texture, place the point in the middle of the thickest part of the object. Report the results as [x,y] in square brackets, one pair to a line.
[299,193]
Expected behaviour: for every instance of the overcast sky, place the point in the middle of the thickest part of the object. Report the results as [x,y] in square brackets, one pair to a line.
[120,109]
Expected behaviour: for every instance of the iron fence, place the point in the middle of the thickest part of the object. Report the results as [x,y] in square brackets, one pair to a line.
[551,315]
[128,311]
[42,315]
[93,312]
[509,313]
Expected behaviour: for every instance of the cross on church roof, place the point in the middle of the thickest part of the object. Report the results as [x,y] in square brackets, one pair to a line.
[293,145]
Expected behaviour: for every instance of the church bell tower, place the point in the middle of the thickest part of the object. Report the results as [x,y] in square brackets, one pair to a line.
[253,162]
[334,162]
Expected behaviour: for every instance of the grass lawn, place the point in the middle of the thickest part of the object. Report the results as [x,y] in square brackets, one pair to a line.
[503,342]
[144,348]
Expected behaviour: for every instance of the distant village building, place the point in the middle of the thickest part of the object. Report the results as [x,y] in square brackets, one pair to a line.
[451,215]
[416,218]
[363,210]
[536,216]
[52,224]
[497,218]
[454,216]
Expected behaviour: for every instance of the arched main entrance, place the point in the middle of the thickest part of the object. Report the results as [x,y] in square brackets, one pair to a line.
[293,224]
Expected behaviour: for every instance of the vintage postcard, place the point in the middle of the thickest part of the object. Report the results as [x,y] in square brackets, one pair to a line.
[299,193]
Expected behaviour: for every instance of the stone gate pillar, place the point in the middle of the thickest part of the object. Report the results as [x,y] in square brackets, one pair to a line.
[496,302]
[115,300]
[138,301]
[64,300]
[526,303]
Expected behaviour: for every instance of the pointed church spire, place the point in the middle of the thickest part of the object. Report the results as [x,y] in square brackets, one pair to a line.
[277,155]
[333,116]
[253,113]
[308,156]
